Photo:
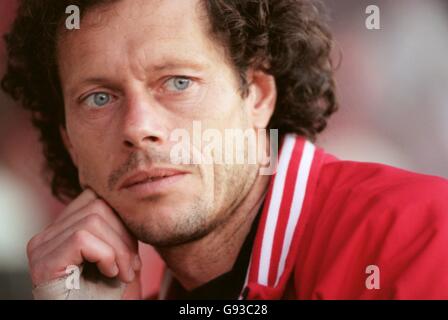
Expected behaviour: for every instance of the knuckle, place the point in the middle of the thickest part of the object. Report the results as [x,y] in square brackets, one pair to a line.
[109,255]
[89,192]
[94,220]
[100,205]
[80,237]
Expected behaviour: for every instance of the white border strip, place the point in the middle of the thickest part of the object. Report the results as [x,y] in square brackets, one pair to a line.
[297,203]
[273,212]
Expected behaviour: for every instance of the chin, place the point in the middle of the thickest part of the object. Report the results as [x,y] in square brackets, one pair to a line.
[161,230]
[166,225]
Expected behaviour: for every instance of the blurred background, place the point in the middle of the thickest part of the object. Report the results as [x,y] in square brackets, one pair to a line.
[392,85]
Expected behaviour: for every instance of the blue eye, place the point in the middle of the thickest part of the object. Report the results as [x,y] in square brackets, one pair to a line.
[98,99]
[178,83]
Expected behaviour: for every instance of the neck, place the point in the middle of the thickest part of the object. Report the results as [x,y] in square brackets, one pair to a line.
[196,263]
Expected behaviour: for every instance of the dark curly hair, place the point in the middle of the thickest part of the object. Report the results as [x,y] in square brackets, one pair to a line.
[286,38]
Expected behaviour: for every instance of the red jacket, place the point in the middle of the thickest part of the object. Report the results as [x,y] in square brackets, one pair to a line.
[334,229]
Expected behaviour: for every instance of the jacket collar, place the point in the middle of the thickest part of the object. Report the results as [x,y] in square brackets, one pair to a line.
[287,202]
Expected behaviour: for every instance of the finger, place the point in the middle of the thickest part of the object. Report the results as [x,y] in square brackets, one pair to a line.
[98,206]
[81,201]
[82,246]
[133,290]
[127,259]
[84,199]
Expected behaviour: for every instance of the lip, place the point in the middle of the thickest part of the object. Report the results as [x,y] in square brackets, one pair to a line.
[154,180]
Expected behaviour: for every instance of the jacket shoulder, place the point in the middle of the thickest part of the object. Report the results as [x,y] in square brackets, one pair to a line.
[368,214]
[382,183]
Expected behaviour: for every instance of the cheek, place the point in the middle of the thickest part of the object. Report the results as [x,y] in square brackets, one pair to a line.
[92,164]
[89,171]
[222,176]
[89,142]
[224,186]
[221,100]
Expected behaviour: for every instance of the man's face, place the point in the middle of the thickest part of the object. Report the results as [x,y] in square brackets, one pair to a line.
[134,72]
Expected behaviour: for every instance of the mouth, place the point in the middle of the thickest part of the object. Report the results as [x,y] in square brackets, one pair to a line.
[156,180]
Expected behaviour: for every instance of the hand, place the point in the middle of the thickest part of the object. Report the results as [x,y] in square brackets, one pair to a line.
[88,230]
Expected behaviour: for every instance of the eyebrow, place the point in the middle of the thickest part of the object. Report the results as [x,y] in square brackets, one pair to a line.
[159,67]
[179,64]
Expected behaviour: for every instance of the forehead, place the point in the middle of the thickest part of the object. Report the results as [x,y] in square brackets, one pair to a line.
[144,31]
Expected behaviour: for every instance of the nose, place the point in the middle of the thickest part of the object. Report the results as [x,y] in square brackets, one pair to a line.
[143,123]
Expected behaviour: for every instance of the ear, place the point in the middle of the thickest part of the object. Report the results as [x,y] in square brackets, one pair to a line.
[68,145]
[262,97]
